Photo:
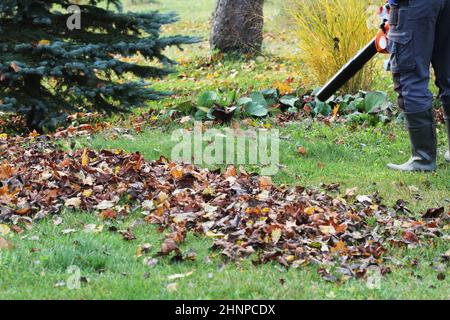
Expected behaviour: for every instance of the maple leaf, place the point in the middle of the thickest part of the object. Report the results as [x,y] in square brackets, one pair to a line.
[177,173]
[340,248]
[6,171]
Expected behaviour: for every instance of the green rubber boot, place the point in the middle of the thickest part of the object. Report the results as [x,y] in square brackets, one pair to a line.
[447,124]
[422,133]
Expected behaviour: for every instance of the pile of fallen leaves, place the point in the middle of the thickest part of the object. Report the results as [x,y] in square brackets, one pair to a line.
[245,214]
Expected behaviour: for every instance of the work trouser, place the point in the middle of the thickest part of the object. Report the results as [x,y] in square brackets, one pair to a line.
[420,37]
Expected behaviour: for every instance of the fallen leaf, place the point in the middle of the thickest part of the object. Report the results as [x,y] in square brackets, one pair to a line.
[127,235]
[44,42]
[169,246]
[327,230]
[108,214]
[172,287]
[17,229]
[265,183]
[67,231]
[5,244]
[177,173]
[180,275]
[85,158]
[4,229]
[93,228]
[302,151]
[276,235]
[57,221]
[142,249]
[410,237]
[433,213]
[73,203]
[230,172]
[151,262]
[6,171]
[340,248]
[105,205]
[351,192]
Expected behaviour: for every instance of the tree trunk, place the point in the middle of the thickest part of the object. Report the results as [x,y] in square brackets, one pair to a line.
[238,26]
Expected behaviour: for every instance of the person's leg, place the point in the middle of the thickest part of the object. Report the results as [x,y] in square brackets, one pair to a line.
[412,37]
[441,64]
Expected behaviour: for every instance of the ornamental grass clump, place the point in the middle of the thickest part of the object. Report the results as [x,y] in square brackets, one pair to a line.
[330,33]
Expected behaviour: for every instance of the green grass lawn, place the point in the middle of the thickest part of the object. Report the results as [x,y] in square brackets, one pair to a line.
[37,266]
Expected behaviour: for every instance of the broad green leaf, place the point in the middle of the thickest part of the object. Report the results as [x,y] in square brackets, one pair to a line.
[185,107]
[228,99]
[258,98]
[200,115]
[357,105]
[375,102]
[256,110]
[244,100]
[207,99]
[270,93]
[289,101]
[322,108]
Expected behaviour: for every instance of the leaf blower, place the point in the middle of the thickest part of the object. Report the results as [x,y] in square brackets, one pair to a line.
[378,45]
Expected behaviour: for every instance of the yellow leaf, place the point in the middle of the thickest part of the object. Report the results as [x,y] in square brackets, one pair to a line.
[6,172]
[87,193]
[3,136]
[336,110]
[283,87]
[177,173]
[310,210]
[214,235]
[276,235]
[44,42]
[85,158]
[33,134]
[340,247]
[4,229]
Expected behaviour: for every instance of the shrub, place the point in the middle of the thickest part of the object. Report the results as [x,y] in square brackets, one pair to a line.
[331,32]
[48,71]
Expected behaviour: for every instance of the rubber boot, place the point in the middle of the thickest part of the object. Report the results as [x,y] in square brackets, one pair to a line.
[447,125]
[422,133]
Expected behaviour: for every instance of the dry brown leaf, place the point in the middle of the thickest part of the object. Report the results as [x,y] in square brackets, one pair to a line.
[5,244]
[73,203]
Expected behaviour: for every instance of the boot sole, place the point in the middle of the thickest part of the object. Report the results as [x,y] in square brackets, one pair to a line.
[398,168]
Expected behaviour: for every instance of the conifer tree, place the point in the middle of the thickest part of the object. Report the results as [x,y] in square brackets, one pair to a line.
[51,67]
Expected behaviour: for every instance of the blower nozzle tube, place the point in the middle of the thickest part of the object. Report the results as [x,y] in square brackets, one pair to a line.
[348,71]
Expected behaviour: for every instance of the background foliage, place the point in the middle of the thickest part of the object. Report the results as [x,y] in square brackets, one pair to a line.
[48,71]
[330,33]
